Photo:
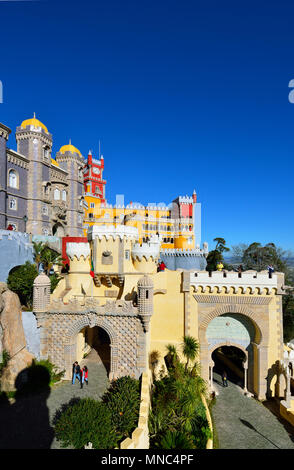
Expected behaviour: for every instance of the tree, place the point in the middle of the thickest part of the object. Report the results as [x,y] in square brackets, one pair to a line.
[258,257]
[50,258]
[190,349]
[221,245]
[38,250]
[21,281]
[216,256]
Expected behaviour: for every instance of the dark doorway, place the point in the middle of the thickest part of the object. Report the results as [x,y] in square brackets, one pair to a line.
[99,341]
[230,359]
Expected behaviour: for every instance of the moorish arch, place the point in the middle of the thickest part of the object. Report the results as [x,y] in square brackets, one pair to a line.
[258,352]
[70,340]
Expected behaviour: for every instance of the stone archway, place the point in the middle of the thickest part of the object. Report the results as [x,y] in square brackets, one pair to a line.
[58,230]
[70,342]
[243,366]
[258,353]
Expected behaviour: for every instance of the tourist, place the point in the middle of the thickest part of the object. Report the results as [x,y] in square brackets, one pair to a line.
[76,371]
[161,266]
[225,379]
[85,374]
[270,269]
[220,266]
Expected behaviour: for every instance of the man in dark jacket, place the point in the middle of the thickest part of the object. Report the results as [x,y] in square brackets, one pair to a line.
[76,371]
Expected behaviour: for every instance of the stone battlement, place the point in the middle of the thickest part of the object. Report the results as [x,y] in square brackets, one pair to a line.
[78,250]
[183,252]
[147,249]
[247,279]
[121,232]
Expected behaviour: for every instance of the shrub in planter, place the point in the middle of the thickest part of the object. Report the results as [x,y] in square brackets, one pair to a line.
[86,420]
[123,401]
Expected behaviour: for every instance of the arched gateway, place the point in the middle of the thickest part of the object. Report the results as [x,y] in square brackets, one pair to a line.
[242,311]
[61,324]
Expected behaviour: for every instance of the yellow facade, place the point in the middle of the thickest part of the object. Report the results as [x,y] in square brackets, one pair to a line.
[184,303]
[148,221]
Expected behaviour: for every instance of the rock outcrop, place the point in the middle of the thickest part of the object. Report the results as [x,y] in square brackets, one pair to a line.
[12,337]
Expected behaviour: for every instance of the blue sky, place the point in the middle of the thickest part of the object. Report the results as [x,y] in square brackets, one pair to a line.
[182,95]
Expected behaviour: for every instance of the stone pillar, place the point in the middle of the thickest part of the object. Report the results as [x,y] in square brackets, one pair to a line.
[211,366]
[204,361]
[262,371]
[245,365]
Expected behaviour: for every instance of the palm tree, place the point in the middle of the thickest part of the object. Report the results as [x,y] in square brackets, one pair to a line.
[38,250]
[49,259]
[190,349]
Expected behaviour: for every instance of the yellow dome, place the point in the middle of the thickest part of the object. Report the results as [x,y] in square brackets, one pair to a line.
[69,148]
[54,162]
[33,122]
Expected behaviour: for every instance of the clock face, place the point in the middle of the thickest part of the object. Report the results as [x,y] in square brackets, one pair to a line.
[96,171]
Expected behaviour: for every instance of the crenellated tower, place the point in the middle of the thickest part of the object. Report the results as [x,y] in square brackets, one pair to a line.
[34,141]
[70,159]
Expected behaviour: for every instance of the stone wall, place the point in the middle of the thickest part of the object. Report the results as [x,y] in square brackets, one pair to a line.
[59,328]
[12,337]
[32,333]
[17,249]
[140,436]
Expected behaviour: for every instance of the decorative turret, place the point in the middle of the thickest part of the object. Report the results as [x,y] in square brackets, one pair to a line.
[41,293]
[145,300]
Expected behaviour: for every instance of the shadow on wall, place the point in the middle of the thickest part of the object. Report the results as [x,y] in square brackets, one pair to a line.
[25,423]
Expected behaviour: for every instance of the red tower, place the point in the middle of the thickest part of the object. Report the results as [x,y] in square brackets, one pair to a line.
[94,184]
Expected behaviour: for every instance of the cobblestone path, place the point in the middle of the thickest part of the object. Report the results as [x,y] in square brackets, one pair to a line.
[244,423]
[64,392]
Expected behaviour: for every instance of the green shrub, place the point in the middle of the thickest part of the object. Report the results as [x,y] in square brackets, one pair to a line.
[123,401]
[86,420]
[4,361]
[55,376]
[176,440]
[178,416]
[21,281]
[103,423]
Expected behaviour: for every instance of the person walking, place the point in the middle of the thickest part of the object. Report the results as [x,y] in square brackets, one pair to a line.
[85,374]
[82,377]
[76,372]
[225,379]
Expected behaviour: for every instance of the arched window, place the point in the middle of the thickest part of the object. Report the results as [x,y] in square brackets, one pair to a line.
[64,195]
[13,179]
[56,194]
[12,204]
